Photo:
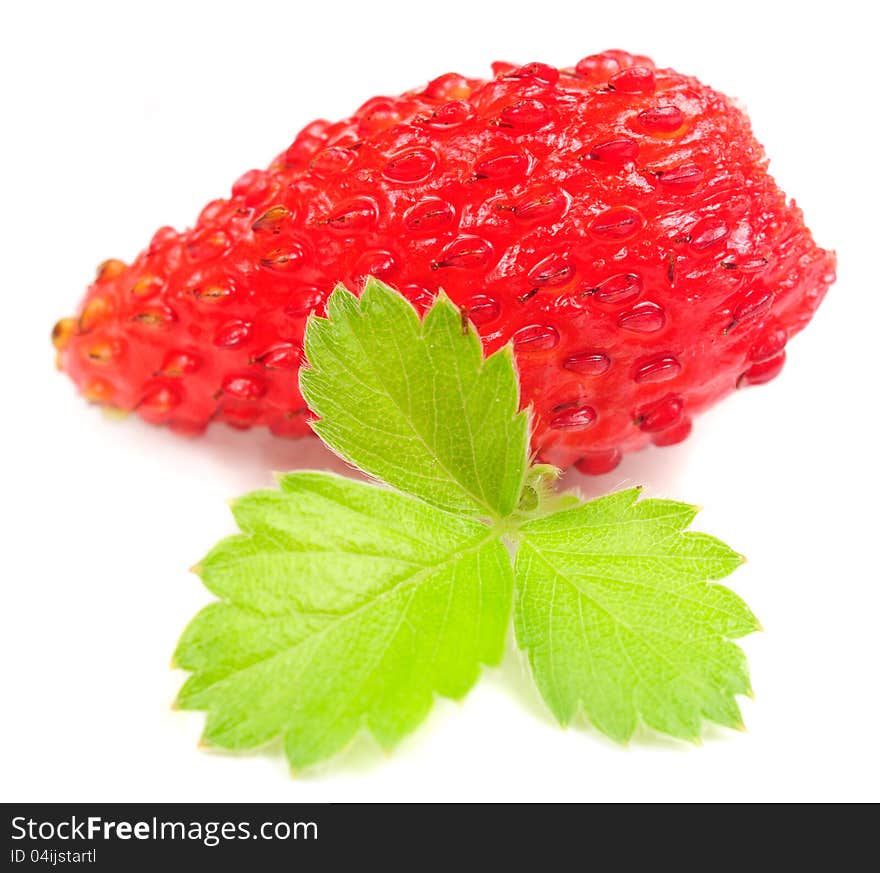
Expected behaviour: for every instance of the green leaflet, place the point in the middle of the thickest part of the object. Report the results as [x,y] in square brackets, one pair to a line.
[342,605]
[617,616]
[414,403]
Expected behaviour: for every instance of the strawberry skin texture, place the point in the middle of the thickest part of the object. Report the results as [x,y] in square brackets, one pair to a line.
[616,222]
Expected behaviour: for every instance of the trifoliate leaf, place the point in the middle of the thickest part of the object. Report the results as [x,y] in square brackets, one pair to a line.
[614,608]
[344,606]
[415,403]
[341,605]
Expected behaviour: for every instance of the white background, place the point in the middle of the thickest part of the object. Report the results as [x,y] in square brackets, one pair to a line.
[119,118]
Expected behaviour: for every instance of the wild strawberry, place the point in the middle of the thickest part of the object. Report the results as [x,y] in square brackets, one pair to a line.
[614,221]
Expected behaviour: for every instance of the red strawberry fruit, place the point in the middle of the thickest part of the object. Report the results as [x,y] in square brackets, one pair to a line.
[615,221]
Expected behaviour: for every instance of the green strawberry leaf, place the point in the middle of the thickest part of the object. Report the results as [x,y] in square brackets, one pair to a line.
[346,606]
[414,403]
[614,608]
[341,606]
